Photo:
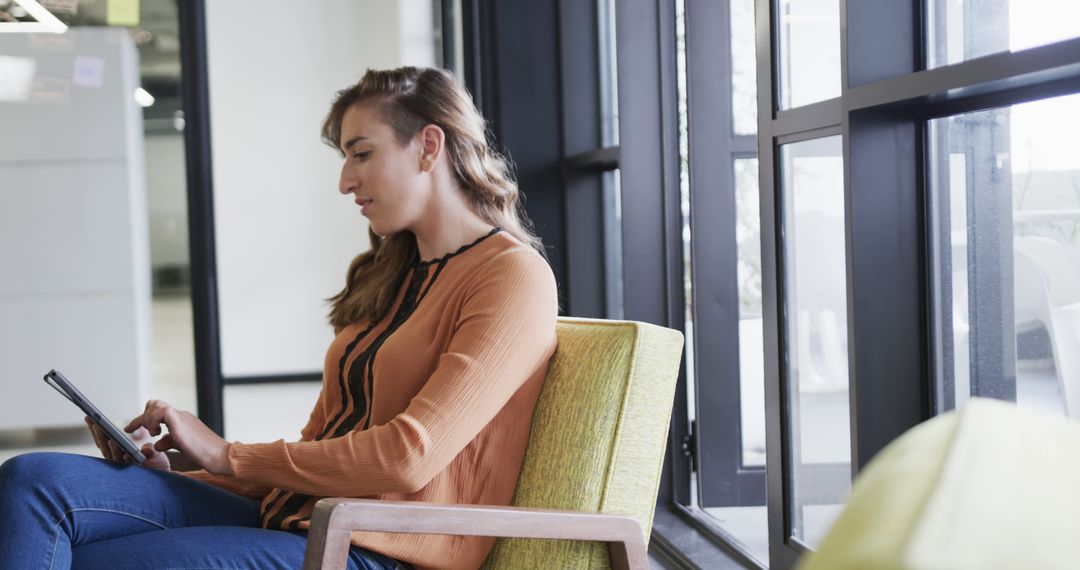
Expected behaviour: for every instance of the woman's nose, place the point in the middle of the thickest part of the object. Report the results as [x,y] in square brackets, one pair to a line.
[346,183]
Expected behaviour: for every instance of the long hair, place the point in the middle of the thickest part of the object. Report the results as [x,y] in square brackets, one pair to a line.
[407,99]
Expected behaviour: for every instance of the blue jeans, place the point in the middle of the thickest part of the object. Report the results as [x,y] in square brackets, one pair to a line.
[60,511]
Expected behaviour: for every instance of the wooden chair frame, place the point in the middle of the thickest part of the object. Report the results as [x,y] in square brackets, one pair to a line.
[335,519]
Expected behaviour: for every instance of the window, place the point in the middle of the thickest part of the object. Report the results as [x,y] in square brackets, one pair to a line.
[743,68]
[751,349]
[819,452]
[804,215]
[968,29]
[1006,208]
[722,278]
[93,212]
[809,51]
[923,278]
[611,188]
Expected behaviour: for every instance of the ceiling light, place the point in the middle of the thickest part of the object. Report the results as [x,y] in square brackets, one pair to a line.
[46,22]
[178,120]
[16,77]
[143,97]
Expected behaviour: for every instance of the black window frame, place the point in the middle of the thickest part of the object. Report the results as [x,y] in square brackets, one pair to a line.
[886,99]
[200,195]
[713,147]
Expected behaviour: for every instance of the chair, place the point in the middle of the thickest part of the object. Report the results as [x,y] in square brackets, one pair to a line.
[591,469]
[989,487]
[1046,287]
[1048,293]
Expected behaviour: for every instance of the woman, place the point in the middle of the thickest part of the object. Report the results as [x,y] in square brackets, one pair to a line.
[443,334]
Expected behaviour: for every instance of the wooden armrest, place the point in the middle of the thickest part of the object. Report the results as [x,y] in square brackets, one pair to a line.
[335,519]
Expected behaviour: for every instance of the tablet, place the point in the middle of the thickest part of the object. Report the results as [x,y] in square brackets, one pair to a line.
[65,387]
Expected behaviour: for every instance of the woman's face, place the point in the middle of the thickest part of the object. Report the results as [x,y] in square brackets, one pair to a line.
[383,176]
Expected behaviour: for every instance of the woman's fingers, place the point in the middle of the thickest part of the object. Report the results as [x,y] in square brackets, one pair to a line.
[141,429]
[165,443]
[115,453]
[90,428]
[100,440]
[181,430]
[93,434]
[110,449]
[156,459]
[152,417]
[152,421]
[140,436]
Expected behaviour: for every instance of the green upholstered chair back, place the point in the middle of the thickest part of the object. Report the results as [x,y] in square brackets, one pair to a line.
[598,435]
[989,487]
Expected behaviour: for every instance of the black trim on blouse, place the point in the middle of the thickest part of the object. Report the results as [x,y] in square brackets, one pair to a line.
[462,249]
[361,385]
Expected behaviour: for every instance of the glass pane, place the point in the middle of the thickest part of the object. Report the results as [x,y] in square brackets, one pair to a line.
[808,51]
[261,268]
[613,267]
[609,84]
[91,137]
[291,271]
[967,29]
[728,482]
[751,335]
[815,308]
[1006,204]
[747,522]
[743,68]
[682,108]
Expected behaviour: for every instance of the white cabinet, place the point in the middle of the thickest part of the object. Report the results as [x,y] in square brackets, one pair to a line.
[74,255]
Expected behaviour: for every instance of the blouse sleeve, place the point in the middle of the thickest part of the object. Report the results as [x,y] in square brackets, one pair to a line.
[317,419]
[247,489]
[255,490]
[505,332]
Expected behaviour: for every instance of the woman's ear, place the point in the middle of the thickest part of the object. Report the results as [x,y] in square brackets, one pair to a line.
[432,142]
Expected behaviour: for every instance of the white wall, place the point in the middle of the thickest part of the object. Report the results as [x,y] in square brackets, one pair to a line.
[417,23]
[285,236]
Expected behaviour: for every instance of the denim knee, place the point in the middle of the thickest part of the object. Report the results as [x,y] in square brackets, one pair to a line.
[26,471]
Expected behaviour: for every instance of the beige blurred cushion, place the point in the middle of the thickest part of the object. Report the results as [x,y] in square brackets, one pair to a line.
[990,487]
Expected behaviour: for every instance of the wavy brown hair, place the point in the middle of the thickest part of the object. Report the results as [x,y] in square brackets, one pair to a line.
[407,99]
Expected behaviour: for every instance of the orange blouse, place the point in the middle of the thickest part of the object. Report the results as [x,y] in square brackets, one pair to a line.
[432,403]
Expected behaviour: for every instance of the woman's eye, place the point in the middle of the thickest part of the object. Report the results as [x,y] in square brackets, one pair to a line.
[362,155]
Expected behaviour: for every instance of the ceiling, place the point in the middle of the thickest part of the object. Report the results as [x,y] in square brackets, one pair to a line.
[156,36]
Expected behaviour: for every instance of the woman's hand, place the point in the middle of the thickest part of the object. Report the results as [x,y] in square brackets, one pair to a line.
[186,433]
[109,450]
